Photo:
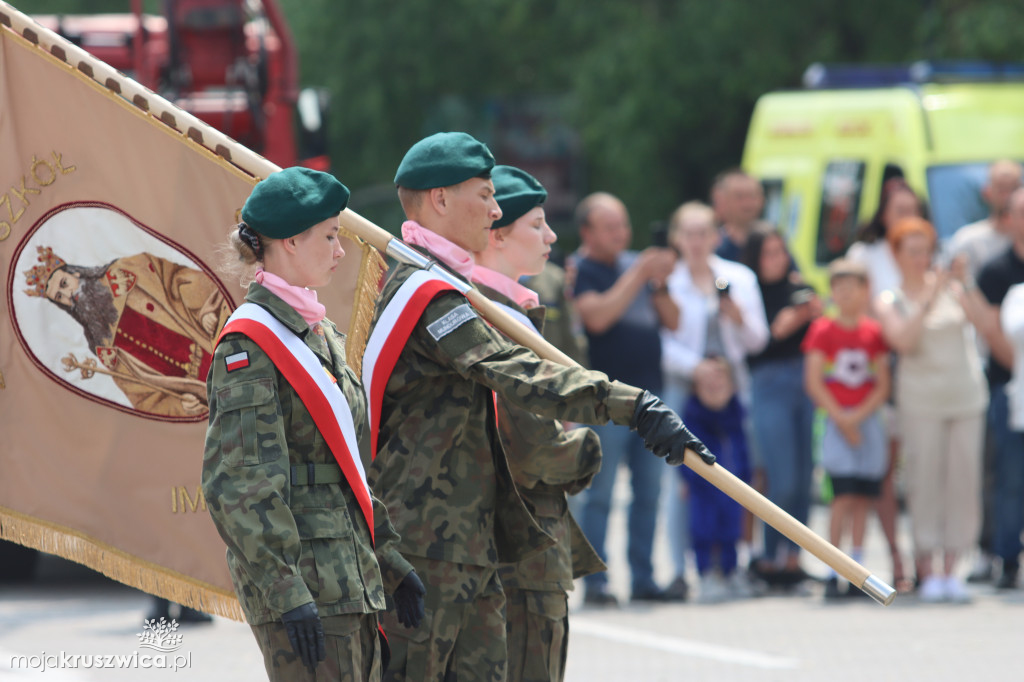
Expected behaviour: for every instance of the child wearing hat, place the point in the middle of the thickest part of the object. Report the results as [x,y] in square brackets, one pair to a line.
[847,375]
[282,472]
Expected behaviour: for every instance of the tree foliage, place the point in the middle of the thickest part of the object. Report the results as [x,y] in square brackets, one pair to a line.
[659,91]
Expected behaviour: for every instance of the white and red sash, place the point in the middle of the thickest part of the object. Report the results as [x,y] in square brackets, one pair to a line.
[316,389]
[390,335]
[520,317]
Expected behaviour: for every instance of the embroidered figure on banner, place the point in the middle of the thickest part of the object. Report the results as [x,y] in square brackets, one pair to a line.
[149,323]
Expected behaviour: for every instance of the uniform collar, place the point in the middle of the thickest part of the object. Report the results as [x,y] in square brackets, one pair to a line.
[286,314]
[523,297]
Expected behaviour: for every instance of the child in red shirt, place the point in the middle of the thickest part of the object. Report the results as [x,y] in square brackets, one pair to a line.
[847,374]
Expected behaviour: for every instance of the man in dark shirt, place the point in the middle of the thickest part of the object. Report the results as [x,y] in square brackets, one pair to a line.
[994,280]
[622,301]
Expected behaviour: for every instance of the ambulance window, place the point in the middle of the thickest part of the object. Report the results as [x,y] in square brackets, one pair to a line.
[772,212]
[840,199]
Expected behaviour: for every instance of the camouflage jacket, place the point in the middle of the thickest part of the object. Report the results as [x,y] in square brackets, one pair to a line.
[548,462]
[559,326]
[290,544]
[440,467]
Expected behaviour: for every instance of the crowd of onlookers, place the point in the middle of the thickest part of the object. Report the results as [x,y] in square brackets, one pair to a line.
[897,384]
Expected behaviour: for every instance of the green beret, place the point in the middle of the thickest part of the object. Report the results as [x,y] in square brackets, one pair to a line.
[443,160]
[517,193]
[292,201]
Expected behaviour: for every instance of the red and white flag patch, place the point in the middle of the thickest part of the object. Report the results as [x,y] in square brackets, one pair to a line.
[237,361]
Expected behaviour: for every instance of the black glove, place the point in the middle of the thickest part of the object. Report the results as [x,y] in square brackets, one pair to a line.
[409,600]
[664,433]
[306,633]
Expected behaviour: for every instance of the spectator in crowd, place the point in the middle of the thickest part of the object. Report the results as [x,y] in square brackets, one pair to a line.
[981,241]
[984,303]
[847,375]
[1011,316]
[738,200]
[623,303]
[722,316]
[974,245]
[782,415]
[896,202]
[941,398]
[715,415]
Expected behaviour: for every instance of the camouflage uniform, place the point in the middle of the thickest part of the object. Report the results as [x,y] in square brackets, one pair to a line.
[444,476]
[559,327]
[289,542]
[547,463]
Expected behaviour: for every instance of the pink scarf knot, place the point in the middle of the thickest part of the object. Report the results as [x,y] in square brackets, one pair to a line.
[451,254]
[303,300]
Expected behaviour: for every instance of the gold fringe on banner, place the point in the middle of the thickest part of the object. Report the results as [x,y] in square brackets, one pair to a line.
[114,563]
[372,267]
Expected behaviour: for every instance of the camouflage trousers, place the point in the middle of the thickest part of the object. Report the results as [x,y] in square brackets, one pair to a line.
[537,627]
[462,636]
[353,651]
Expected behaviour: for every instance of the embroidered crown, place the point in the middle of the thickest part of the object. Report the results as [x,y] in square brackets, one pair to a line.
[40,274]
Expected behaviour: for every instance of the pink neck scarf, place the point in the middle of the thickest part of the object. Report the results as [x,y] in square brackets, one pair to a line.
[503,284]
[452,255]
[303,300]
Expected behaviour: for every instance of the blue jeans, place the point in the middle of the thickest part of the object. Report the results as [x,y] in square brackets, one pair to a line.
[1008,489]
[619,445]
[783,421]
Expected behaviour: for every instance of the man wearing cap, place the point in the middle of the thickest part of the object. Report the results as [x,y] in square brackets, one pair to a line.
[282,472]
[440,466]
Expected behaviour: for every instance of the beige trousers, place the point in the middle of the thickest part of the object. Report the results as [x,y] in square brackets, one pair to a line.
[943,479]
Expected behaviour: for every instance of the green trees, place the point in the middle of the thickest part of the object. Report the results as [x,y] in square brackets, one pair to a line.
[659,92]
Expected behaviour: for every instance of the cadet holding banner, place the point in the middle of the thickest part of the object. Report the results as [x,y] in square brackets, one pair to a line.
[283,474]
[547,462]
[431,370]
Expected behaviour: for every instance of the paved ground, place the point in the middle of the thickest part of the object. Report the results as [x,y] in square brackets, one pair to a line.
[71,610]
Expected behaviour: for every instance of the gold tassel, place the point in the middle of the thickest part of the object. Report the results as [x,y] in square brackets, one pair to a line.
[118,565]
[371,268]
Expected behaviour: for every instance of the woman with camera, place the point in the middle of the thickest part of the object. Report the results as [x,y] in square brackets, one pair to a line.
[721,316]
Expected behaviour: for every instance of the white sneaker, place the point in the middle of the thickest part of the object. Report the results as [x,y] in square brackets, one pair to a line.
[933,589]
[713,589]
[742,586]
[956,590]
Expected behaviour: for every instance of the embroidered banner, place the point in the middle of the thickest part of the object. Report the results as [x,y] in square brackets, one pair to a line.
[110,223]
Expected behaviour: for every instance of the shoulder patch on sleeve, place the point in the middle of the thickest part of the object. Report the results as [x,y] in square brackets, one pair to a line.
[451,321]
[237,361]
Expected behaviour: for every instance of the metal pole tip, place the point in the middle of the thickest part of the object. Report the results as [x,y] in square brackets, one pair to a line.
[878,590]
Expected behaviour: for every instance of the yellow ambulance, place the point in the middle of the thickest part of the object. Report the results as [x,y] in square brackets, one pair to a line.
[823,153]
